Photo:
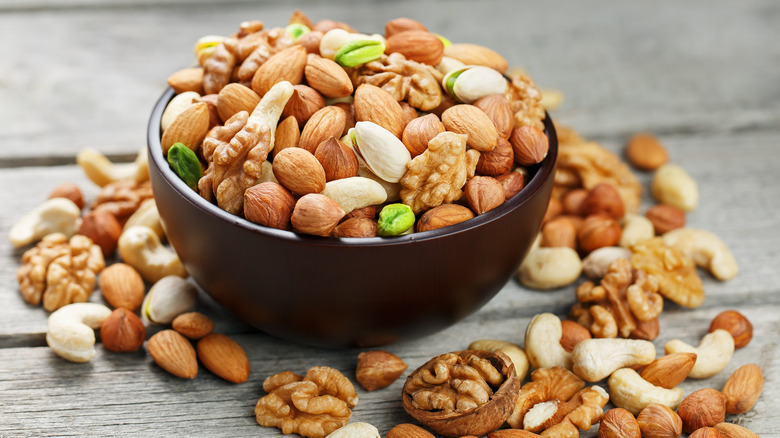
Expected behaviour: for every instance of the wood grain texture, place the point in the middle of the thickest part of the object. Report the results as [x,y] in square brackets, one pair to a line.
[701,75]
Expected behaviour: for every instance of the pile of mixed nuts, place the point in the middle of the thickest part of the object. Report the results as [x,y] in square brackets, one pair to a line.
[312,127]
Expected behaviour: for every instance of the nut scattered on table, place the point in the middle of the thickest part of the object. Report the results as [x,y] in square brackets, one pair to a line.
[377,369]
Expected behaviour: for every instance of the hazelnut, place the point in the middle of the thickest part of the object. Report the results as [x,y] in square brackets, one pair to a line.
[512,182]
[645,152]
[356,227]
[122,331]
[399,25]
[498,161]
[706,432]
[619,423]
[658,421]
[103,228]
[559,231]
[573,334]
[269,204]
[337,159]
[598,231]
[316,214]
[665,217]
[418,132]
[378,369]
[483,193]
[530,145]
[498,108]
[702,408]
[572,201]
[409,113]
[70,191]
[554,208]
[604,199]
[366,212]
[311,41]
[304,102]
[443,216]
[735,323]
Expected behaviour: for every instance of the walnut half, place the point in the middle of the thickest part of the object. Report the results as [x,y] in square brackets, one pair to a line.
[468,392]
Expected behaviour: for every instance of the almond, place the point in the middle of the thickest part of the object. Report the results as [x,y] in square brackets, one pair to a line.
[473,54]
[483,194]
[402,24]
[443,216]
[234,98]
[572,201]
[103,228]
[298,17]
[173,353]
[419,131]
[269,204]
[122,286]
[407,430]
[299,171]
[304,103]
[377,369]
[670,370]
[734,431]
[498,108]
[189,127]
[511,433]
[416,45]
[349,111]
[187,79]
[211,103]
[374,104]
[512,182]
[337,159]
[193,325]
[498,161]
[224,357]
[316,214]
[356,227]
[70,191]
[743,388]
[529,144]
[703,408]
[122,331]
[665,217]
[645,152]
[287,65]
[327,122]
[287,135]
[327,77]
[470,120]
[366,212]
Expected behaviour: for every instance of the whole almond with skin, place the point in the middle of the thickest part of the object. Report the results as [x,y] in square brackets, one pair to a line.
[665,217]
[173,353]
[316,214]
[356,227]
[498,108]
[70,191]
[327,77]
[702,408]
[211,103]
[269,204]
[402,24]
[743,388]
[734,431]
[443,216]
[554,208]
[337,159]
[303,104]
[298,17]
[498,161]
[670,370]
[559,232]
[193,325]
[299,171]
[603,198]
[512,182]
[234,98]
[419,131]
[645,152]
[224,357]
[187,79]
[658,421]
[472,121]
[325,25]
[573,334]
[189,127]
[736,324]
[483,194]
[473,54]
[103,228]
[287,135]
[511,433]
[598,231]
[349,112]
[374,104]
[377,369]
[618,423]
[122,286]
[529,144]
[327,122]
[407,430]
[287,65]
[122,331]
[416,45]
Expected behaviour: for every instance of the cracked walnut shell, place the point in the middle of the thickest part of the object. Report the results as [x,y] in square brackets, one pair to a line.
[468,392]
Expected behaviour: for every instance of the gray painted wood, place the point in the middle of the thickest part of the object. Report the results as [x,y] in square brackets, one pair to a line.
[701,75]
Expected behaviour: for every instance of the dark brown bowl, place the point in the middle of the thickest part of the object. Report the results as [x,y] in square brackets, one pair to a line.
[333,292]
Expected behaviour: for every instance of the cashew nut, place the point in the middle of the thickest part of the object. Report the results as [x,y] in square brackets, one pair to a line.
[168,298]
[176,106]
[706,249]
[355,430]
[628,390]
[549,268]
[56,215]
[543,342]
[71,333]
[514,352]
[595,264]
[140,248]
[148,216]
[355,192]
[102,172]
[712,355]
[635,228]
[673,185]
[595,359]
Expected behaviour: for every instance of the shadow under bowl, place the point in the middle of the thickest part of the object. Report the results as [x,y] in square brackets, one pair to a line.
[333,292]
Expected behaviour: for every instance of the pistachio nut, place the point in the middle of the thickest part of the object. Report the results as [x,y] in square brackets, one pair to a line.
[335,39]
[384,153]
[206,45]
[168,298]
[471,82]
[175,107]
[185,164]
[297,30]
[444,40]
[355,53]
[395,219]
[448,64]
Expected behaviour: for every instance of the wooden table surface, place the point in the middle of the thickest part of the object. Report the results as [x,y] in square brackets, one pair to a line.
[704,76]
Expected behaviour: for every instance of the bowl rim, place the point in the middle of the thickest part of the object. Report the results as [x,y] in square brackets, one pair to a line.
[542,171]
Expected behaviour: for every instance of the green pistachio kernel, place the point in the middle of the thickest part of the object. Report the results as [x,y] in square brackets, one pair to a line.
[297,30]
[450,82]
[443,40]
[395,219]
[359,52]
[185,164]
